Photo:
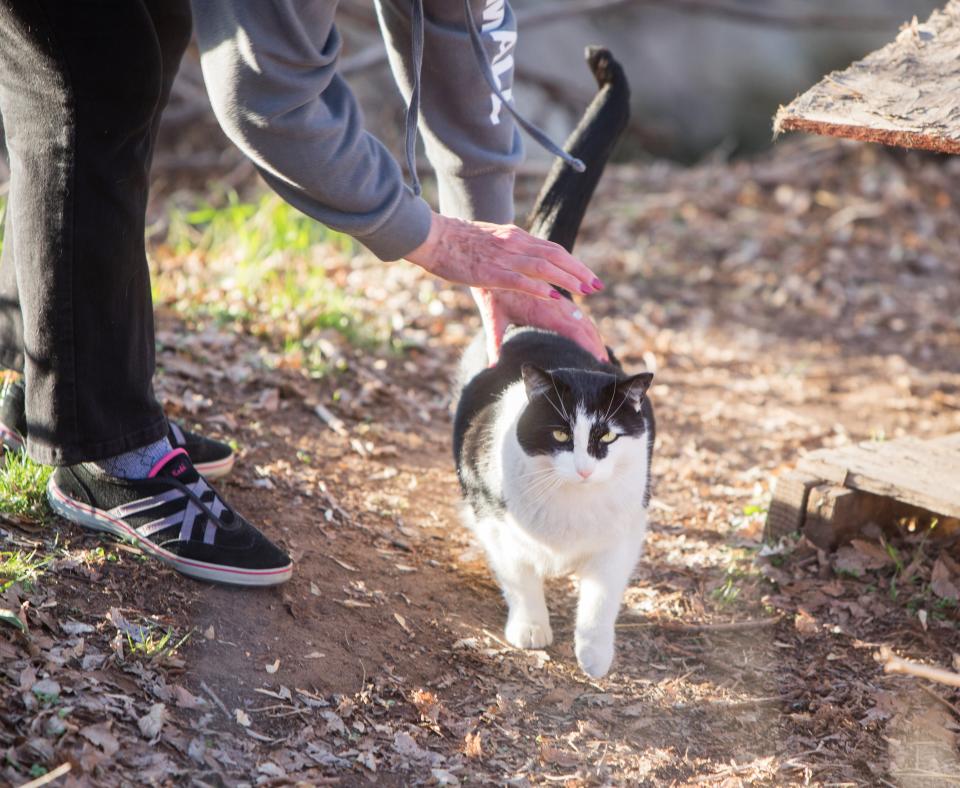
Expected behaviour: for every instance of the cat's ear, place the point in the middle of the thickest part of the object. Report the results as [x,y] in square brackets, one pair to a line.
[536,380]
[634,388]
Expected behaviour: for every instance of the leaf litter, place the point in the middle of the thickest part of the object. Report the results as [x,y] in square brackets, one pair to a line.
[800,300]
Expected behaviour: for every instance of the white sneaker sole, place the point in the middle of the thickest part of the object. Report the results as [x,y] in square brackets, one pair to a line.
[98,520]
[216,469]
[11,440]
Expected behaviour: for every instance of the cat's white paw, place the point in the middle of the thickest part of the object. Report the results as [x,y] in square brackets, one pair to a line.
[595,654]
[527,633]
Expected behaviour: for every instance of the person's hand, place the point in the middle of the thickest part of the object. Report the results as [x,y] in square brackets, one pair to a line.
[502,257]
[500,308]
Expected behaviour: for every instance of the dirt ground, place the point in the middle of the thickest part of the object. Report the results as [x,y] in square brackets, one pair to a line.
[809,298]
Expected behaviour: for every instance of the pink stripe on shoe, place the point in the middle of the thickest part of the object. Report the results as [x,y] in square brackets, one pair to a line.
[165,459]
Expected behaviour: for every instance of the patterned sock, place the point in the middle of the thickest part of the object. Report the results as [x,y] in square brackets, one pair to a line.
[135,464]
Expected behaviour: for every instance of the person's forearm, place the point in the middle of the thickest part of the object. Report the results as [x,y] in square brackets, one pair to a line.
[270,69]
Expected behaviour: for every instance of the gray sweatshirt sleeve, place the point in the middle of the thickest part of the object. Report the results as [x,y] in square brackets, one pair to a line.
[471,141]
[270,70]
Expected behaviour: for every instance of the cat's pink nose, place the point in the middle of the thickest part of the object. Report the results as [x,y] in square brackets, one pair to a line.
[584,473]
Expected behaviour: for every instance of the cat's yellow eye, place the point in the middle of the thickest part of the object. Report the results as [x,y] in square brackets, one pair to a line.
[560,436]
[609,437]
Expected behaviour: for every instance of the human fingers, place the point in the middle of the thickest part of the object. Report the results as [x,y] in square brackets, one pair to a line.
[587,281]
[587,336]
[501,276]
[540,268]
[563,317]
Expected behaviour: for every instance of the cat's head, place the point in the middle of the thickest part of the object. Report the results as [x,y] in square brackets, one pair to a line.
[586,427]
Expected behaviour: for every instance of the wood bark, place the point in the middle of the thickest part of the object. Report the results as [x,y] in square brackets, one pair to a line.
[905,94]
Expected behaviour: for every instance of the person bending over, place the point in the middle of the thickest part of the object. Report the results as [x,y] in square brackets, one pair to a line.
[82,88]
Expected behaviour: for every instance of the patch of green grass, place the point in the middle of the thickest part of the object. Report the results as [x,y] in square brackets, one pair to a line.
[17,566]
[262,266]
[23,485]
[153,642]
[256,230]
[727,592]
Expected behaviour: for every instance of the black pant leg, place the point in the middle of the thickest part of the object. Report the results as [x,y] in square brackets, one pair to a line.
[80,85]
[173,24]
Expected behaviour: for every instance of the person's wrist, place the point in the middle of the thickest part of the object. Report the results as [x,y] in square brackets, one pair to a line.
[424,254]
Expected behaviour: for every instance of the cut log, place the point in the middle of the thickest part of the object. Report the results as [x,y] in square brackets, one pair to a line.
[906,94]
[789,505]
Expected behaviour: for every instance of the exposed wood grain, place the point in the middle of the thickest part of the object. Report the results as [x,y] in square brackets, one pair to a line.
[920,473]
[789,505]
[906,94]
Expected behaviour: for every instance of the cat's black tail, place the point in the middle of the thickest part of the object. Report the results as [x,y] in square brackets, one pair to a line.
[563,199]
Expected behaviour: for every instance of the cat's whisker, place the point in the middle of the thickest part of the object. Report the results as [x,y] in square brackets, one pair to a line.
[562,414]
[613,396]
[543,494]
[537,493]
[560,399]
[622,403]
[538,484]
[540,472]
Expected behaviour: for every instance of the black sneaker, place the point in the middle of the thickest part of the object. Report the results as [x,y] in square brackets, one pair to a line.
[13,415]
[211,458]
[175,516]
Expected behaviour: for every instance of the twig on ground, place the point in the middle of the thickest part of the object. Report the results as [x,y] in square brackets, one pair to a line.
[50,776]
[726,626]
[943,701]
[335,423]
[216,699]
[894,664]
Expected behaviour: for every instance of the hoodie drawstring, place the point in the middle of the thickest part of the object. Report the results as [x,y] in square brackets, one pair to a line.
[413,109]
[480,54]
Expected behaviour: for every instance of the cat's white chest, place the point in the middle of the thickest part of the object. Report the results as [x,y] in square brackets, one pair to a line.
[573,526]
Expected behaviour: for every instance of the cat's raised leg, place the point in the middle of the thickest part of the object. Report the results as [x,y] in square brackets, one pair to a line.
[528,620]
[602,583]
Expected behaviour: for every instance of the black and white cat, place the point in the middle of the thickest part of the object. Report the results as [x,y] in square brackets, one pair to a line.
[553,448]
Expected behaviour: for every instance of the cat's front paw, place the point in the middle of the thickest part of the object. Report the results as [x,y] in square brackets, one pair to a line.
[527,633]
[594,654]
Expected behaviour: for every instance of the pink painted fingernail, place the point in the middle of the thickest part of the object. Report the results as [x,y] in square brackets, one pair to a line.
[586,289]
[597,284]
[555,294]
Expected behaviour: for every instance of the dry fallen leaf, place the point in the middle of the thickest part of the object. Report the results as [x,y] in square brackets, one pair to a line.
[403,624]
[472,746]
[804,623]
[427,704]
[186,699]
[241,717]
[941,582]
[151,723]
[100,735]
